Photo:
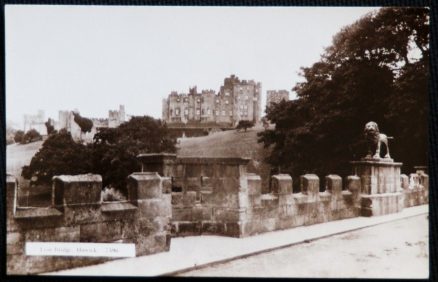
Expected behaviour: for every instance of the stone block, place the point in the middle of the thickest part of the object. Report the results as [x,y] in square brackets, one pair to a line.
[207,170]
[353,184]
[189,228]
[179,170]
[333,185]
[310,186]
[59,234]
[404,179]
[151,208]
[182,214]
[226,215]
[177,198]
[193,170]
[145,185]
[206,197]
[381,204]
[77,189]
[254,184]
[234,229]
[14,243]
[74,215]
[281,184]
[211,227]
[206,183]
[101,231]
[166,185]
[193,184]
[189,198]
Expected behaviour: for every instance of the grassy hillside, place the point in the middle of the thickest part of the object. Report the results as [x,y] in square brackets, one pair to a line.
[18,155]
[230,143]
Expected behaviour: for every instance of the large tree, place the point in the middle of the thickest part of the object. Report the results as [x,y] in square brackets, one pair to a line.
[115,150]
[113,154]
[375,70]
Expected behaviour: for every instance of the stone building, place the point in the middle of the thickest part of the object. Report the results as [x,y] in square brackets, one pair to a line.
[66,121]
[275,96]
[35,122]
[237,100]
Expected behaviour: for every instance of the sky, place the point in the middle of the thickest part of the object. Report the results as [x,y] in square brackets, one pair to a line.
[94,58]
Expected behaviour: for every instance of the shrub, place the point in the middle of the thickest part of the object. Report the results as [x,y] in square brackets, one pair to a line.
[110,194]
[245,124]
[31,136]
[18,137]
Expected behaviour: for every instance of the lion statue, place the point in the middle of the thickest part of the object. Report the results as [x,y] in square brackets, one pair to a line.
[375,139]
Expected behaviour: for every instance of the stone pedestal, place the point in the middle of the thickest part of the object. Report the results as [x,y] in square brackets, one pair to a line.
[381,191]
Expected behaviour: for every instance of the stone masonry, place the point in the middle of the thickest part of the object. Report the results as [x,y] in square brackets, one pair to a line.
[77,214]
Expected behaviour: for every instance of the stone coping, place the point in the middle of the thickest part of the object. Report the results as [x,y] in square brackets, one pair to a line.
[224,160]
[110,207]
[144,175]
[376,162]
[89,177]
[33,212]
[162,157]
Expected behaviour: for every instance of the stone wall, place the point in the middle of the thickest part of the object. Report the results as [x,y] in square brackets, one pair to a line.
[218,196]
[77,214]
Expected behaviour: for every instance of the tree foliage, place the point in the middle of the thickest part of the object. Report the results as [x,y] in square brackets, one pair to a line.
[113,154]
[375,70]
[85,124]
[115,150]
[49,126]
[244,124]
[60,154]
[18,137]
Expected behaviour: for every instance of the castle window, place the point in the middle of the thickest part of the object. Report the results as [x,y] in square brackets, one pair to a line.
[245,107]
[177,112]
[177,100]
[246,97]
[198,100]
[240,106]
[185,100]
[186,112]
[217,101]
[223,112]
[227,93]
[226,102]
[208,111]
[231,113]
[198,112]
[203,112]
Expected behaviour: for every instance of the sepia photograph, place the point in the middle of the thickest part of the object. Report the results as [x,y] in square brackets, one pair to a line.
[217,141]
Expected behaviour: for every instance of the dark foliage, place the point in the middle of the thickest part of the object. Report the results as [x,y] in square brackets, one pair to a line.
[60,154]
[244,124]
[49,126]
[18,137]
[115,150]
[31,136]
[366,75]
[112,155]
[84,123]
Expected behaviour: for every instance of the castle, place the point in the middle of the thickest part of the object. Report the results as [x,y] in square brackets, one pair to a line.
[274,96]
[66,121]
[237,100]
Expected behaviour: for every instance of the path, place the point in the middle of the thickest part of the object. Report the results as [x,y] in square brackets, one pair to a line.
[397,249]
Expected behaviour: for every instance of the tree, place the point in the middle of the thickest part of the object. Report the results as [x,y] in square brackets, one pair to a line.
[245,124]
[84,123]
[49,126]
[60,154]
[18,137]
[31,136]
[368,73]
[115,150]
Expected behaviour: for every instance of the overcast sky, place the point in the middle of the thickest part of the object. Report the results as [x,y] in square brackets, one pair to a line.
[93,58]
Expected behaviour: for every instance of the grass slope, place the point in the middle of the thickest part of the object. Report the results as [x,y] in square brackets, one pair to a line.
[231,143]
[18,155]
